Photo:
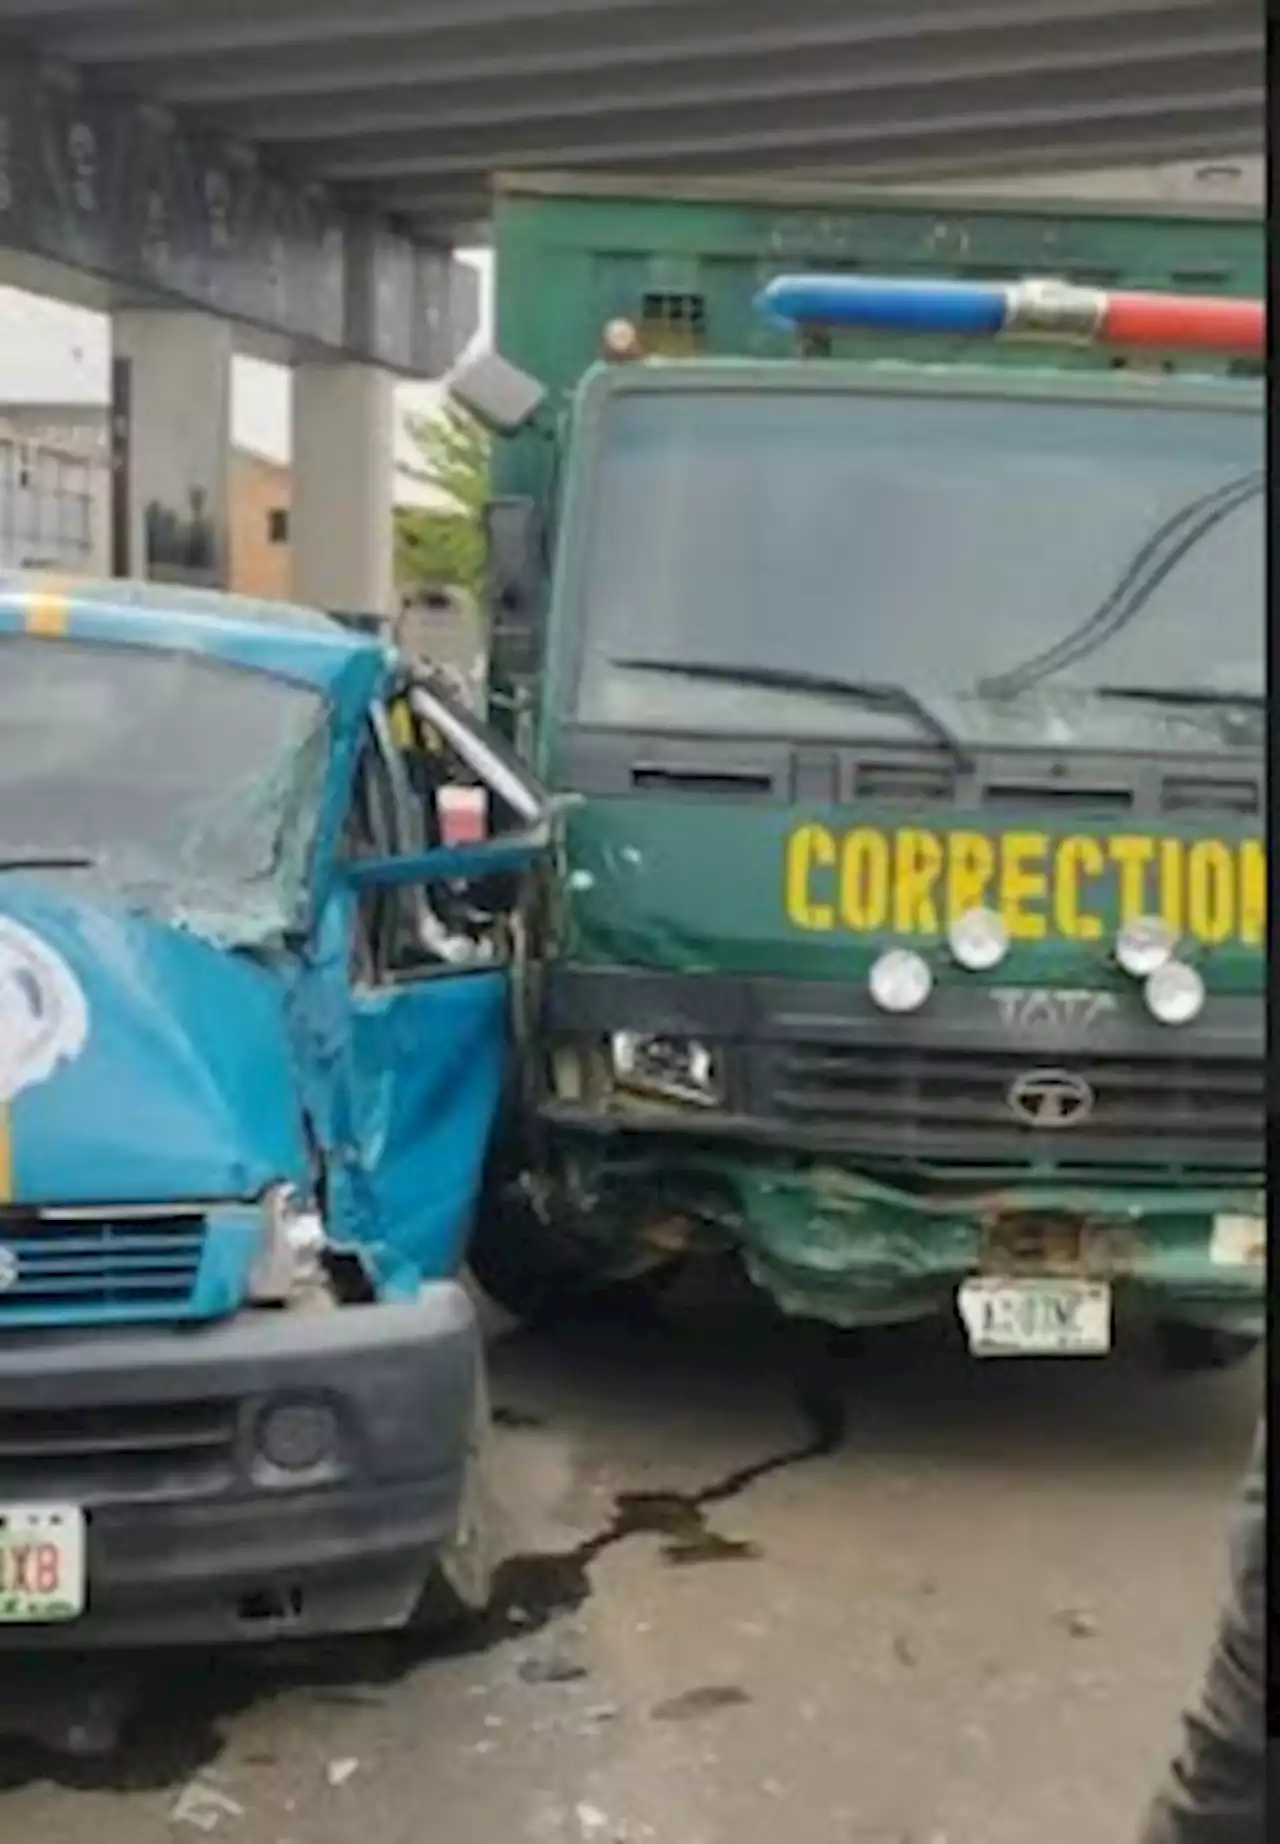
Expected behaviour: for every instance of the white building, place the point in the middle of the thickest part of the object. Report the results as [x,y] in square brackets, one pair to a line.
[55,368]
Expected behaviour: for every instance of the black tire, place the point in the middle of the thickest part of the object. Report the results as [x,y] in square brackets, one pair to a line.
[516,1268]
[1188,1350]
[459,1590]
[512,1258]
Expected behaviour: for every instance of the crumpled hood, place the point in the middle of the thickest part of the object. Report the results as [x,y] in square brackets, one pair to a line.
[138,1064]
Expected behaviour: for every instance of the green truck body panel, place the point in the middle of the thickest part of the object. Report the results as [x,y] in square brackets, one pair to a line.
[686,268]
[689,886]
[751,917]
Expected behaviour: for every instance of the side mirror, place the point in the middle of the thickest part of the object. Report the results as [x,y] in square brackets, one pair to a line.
[497,393]
[513,537]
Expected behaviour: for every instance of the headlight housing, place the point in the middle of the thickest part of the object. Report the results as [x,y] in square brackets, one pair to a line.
[289,1263]
[668,1068]
[978,940]
[1175,993]
[1145,945]
[900,980]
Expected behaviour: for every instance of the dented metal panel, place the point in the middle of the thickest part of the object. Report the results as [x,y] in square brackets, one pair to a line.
[185,1029]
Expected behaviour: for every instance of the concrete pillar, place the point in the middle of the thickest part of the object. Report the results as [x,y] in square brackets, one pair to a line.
[171,445]
[343,488]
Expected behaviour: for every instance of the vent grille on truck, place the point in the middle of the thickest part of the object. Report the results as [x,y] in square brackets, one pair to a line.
[937,1106]
[924,782]
[58,1267]
[673,325]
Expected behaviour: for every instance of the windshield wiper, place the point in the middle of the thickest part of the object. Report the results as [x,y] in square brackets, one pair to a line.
[1183,694]
[875,693]
[48,861]
[1160,554]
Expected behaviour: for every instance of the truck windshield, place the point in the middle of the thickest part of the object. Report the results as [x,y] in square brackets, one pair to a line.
[1020,566]
[168,781]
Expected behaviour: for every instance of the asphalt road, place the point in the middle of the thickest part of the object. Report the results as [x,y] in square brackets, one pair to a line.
[759,1592]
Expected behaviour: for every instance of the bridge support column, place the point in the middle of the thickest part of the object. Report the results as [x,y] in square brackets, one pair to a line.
[171,445]
[343,540]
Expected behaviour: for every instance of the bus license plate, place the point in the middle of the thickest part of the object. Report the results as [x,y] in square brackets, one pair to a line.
[42,1564]
[1036,1318]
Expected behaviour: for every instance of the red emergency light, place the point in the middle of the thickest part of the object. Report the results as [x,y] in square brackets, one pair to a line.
[1185,323]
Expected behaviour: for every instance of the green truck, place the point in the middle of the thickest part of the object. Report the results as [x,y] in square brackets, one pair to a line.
[910,692]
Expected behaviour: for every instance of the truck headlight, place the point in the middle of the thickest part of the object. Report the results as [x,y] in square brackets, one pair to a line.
[671,1068]
[289,1255]
[978,940]
[900,980]
[1174,993]
[1144,945]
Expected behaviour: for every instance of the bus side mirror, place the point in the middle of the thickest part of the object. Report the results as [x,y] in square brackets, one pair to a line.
[513,566]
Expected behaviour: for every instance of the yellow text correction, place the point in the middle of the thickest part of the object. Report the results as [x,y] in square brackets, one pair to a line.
[914,881]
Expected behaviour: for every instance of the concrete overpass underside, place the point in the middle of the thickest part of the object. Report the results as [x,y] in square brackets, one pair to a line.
[292,176]
[406,107]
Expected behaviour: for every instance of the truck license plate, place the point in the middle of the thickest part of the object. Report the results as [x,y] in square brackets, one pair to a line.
[42,1564]
[1036,1318]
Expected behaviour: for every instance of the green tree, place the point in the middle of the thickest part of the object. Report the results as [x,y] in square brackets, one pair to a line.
[443,546]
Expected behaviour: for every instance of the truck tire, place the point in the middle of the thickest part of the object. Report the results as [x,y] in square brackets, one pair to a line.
[459,1589]
[511,1259]
[521,1280]
[1187,1350]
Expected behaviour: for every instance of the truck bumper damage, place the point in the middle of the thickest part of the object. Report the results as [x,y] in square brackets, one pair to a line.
[277,1475]
[831,1243]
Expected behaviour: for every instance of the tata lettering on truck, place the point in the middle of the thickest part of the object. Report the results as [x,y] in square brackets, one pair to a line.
[254,1017]
[903,642]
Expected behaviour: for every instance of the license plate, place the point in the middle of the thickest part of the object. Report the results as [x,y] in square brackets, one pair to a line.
[1036,1318]
[42,1566]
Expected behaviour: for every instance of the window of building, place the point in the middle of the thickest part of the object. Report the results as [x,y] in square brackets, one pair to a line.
[278,525]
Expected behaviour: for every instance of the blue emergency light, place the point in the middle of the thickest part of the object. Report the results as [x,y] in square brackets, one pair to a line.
[883,304]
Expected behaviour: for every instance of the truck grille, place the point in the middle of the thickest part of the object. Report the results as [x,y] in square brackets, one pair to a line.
[93,1455]
[60,1265]
[928,1107]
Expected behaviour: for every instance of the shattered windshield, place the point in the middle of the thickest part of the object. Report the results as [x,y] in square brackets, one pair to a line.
[172,782]
[1044,567]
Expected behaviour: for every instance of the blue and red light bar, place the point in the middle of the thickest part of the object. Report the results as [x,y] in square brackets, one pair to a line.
[1046,310]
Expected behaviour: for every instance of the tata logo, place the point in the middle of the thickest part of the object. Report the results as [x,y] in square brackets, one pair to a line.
[1051,1098]
[1051,1008]
[10,1269]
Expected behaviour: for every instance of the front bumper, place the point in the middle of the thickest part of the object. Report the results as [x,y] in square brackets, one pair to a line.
[195,1535]
[831,1242]
[850,1250]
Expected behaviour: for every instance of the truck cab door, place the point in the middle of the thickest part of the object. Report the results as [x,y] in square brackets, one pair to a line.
[441,928]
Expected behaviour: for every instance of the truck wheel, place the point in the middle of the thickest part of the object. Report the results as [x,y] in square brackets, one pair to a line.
[460,1586]
[519,1281]
[509,1257]
[1184,1350]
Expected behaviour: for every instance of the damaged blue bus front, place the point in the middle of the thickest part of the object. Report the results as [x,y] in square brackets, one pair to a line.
[249,1063]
